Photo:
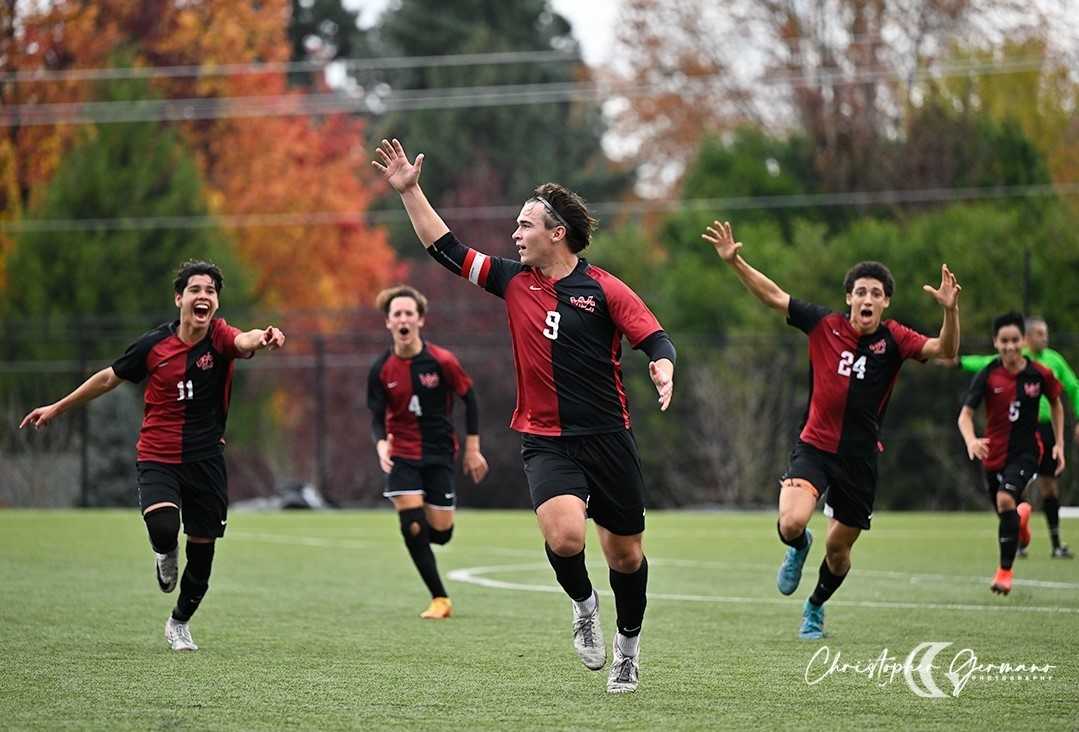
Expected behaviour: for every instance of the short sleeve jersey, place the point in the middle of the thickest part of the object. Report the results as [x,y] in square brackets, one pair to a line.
[567,339]
[415,395]
[851,377]
[1011,409]
[187,392]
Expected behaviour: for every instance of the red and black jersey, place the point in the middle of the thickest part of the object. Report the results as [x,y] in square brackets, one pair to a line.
[412,399]
[567,339]
[851,377]
[187,396]
[1011,409]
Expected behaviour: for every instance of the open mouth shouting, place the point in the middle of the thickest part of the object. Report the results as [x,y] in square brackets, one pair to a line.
[403,331]
[201,310]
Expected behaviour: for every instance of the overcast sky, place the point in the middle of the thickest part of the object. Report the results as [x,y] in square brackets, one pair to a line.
[592,20]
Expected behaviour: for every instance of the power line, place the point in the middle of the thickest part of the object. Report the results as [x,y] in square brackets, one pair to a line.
[290,67]
[285,105]
[508,212]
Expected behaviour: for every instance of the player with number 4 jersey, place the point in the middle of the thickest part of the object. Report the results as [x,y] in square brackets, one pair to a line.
[854,359]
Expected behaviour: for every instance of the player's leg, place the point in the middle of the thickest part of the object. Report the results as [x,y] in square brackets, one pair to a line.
[439,503]
[404,488]
[1048,489]
[628,569]
[559,492]
[159,498]
[204,493]
[833,570]
[1008,538]
[799,491]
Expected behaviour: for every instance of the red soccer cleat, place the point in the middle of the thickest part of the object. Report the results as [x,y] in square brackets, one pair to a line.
[1002,582]
[1023,509]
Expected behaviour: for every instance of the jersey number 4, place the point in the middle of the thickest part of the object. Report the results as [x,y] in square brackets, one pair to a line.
[414,405]
[848,364]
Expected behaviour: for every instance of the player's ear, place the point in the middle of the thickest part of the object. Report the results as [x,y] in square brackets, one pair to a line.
[419,323]
[848,298]
[179,297]
[887,301]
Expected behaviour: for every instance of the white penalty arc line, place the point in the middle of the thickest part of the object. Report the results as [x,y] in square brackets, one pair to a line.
[475,576]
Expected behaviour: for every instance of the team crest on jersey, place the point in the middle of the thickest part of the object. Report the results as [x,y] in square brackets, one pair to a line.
[1032,389]
[206,361]
[429,380]
[584,303]
[878,347]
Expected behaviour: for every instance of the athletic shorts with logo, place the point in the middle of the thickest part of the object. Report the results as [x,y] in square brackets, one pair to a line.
[199,488]
[848,483]
[602,470]
[1013,479]
[433,480]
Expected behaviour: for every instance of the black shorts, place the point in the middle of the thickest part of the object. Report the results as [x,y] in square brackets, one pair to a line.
[602,470]
[1047,468]
[433,481]
[848,483]
[1013,479]
[200,489]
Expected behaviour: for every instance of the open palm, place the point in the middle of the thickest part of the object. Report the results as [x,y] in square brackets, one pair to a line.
[948,293]
[394,166]
[720,236]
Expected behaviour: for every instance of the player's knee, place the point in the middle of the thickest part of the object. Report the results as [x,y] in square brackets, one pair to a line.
[1048,488]
[1005,502]
[626,561]
[566,544]
[163,526]
[414,525]
[441,536]
[790,526]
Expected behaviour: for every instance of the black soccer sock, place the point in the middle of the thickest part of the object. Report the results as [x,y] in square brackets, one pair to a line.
[827,584]
[1008,532]
[195,581]
[571,574]
[440,536]
[417,535]
[163,525]
[1051,506]
[630,598]
[798,542]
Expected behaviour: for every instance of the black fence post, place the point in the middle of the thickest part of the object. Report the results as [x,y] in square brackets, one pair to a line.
[84,424]
[321,466]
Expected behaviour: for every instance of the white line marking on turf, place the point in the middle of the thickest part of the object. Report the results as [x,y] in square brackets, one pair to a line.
[474,575]
[300,540]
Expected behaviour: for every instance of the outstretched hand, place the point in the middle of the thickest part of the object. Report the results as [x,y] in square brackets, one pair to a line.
[947,295]
[719,234]
[978,448]
[40,417]
[272,338]
[1058,456]
[394,166]
[662,373]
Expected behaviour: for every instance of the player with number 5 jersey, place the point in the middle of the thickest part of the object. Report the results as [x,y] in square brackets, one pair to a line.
[854,359]
[567,319]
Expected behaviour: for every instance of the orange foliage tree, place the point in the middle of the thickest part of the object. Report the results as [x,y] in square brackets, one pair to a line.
[251,166]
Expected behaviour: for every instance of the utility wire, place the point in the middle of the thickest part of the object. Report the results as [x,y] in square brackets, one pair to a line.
[508,212]
[284,105]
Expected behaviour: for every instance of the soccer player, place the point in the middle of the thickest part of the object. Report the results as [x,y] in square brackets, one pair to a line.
[854,359]
[180,459]
[1012,385]
[1037,348]
[410,394]
[566,319]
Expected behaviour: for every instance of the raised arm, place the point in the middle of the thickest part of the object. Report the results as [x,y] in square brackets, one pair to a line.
[404,177]
[720,236]
[945,345]
[103,381]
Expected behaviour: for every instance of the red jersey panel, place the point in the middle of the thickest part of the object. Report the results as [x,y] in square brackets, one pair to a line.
[187,395]
[414,397]
[851,377]
[567,339]
[1011,409]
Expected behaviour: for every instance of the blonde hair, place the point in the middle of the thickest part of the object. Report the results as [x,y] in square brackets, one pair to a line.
[384,298]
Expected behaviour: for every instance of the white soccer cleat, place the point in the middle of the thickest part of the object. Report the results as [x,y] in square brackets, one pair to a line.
[588,637]
[178,635]
[167,569]
[625,670]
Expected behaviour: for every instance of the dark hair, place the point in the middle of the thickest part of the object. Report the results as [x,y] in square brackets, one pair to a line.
[872,270]
[193,267]
[1009,318]
[563,207]
[384,298]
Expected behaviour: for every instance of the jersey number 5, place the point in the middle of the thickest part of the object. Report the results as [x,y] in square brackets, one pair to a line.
[1013,411]
[551,331]
[848,364]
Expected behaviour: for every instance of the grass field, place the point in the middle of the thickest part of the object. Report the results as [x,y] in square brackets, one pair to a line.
[312,623]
